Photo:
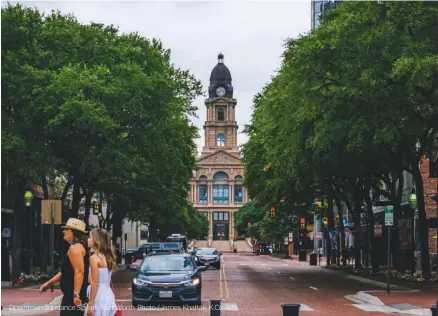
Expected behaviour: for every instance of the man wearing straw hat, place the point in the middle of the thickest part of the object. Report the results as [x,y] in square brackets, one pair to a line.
[74,269]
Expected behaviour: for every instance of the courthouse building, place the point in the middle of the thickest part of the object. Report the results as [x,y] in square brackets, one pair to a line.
[217,186]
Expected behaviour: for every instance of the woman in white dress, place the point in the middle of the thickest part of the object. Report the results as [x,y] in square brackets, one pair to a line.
[102,263]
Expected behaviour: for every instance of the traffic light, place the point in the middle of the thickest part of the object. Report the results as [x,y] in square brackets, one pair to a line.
[95,208]
[273,211]
[325,221]
[319,204]
[302,223]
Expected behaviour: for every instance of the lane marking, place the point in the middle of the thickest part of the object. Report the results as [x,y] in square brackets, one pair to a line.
[225,279]
[129,289]
[123,300]
[291,278]
[313,288]
[220,279]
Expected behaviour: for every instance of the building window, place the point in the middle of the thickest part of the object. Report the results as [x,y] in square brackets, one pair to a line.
[238,194]
[203,178]
[203,193]
[220,175]
[220,140]
[220,115]
[238,178]
[220,216]
[220,193]
[143,234]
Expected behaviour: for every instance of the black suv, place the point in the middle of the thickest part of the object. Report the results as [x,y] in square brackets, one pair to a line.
[208,257]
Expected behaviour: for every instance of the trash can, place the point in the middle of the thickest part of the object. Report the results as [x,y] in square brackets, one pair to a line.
[291,309]
[302,255]
[313,259]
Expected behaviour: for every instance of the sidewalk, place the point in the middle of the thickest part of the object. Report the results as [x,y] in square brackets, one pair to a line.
[28,300]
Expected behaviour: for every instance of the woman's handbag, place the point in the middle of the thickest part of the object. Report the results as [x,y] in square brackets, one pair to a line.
[118,311]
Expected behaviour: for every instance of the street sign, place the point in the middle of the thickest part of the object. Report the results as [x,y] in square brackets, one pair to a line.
[389,215]
[291,236]
[378,230]
[319,235]
[286,241]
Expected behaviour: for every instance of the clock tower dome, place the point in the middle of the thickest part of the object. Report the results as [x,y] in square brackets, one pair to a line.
[220,128]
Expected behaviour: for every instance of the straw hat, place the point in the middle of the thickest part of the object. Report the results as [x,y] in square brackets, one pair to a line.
[75,224]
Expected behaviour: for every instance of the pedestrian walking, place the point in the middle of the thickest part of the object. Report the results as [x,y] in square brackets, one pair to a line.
[74,270]
[103,263]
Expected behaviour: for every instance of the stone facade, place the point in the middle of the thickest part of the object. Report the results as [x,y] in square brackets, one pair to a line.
[216,188]
[430,187]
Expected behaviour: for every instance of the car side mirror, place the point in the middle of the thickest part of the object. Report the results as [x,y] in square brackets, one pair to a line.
[202,268]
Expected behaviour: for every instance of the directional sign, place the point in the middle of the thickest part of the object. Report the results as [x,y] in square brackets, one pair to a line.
[291,236]
[389,215]
[286,240]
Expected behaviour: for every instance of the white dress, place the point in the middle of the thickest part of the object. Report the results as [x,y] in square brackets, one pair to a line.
[104,302]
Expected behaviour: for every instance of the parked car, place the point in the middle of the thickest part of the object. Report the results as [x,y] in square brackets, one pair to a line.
[132,255]
[208,257]
[182,239]
[166,278]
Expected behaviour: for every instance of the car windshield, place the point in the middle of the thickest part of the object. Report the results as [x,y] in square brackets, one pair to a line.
[167,263]
[207,252]
[171,245]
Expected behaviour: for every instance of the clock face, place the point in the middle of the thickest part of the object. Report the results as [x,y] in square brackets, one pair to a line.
[220,91]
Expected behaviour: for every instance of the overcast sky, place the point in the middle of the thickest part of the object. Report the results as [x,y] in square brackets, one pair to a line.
[250,34]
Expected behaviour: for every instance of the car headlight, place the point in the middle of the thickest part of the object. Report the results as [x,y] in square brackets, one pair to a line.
[141,282]
[196,259]
[192,282]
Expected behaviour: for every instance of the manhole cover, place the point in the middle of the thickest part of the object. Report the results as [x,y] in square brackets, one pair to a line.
[404,307]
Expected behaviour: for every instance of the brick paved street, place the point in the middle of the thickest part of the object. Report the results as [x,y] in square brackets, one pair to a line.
[258,285]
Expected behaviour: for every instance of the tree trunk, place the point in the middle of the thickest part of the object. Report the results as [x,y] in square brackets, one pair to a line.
[88,198]
[117,222]
[422,221]
[371,238]
[17,236]
[357,227]
[331,255]
[44,245]
[77,197]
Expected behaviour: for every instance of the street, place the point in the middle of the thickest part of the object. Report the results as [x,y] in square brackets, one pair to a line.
[258,285]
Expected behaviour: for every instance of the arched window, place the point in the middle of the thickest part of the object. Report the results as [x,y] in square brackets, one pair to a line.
[220,114]
[220,140]
[220,175]
[203,178]
[238,178]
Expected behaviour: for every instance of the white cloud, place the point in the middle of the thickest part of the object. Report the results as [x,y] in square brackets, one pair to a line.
[249,34]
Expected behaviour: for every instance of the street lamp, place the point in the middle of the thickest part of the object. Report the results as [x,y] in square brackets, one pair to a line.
[413,199]
[158,235]
[28,198]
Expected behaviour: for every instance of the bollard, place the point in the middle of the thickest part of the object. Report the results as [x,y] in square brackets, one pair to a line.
[291,309]
[215,307]
[434,309]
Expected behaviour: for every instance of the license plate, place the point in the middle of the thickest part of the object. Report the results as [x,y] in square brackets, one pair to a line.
[165,294]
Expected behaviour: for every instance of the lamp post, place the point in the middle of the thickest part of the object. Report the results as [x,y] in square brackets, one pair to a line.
[413,204]
[158,235]
[28,196]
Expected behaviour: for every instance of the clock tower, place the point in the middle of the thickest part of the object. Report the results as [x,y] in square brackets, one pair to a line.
[216,187]
[220,128]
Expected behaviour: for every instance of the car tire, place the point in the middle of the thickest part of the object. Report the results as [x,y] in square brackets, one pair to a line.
[218,266]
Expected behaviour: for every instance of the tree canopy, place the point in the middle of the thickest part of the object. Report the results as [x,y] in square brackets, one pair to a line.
[354,103]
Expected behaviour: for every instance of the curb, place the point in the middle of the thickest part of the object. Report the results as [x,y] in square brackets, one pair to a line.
[37,310]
